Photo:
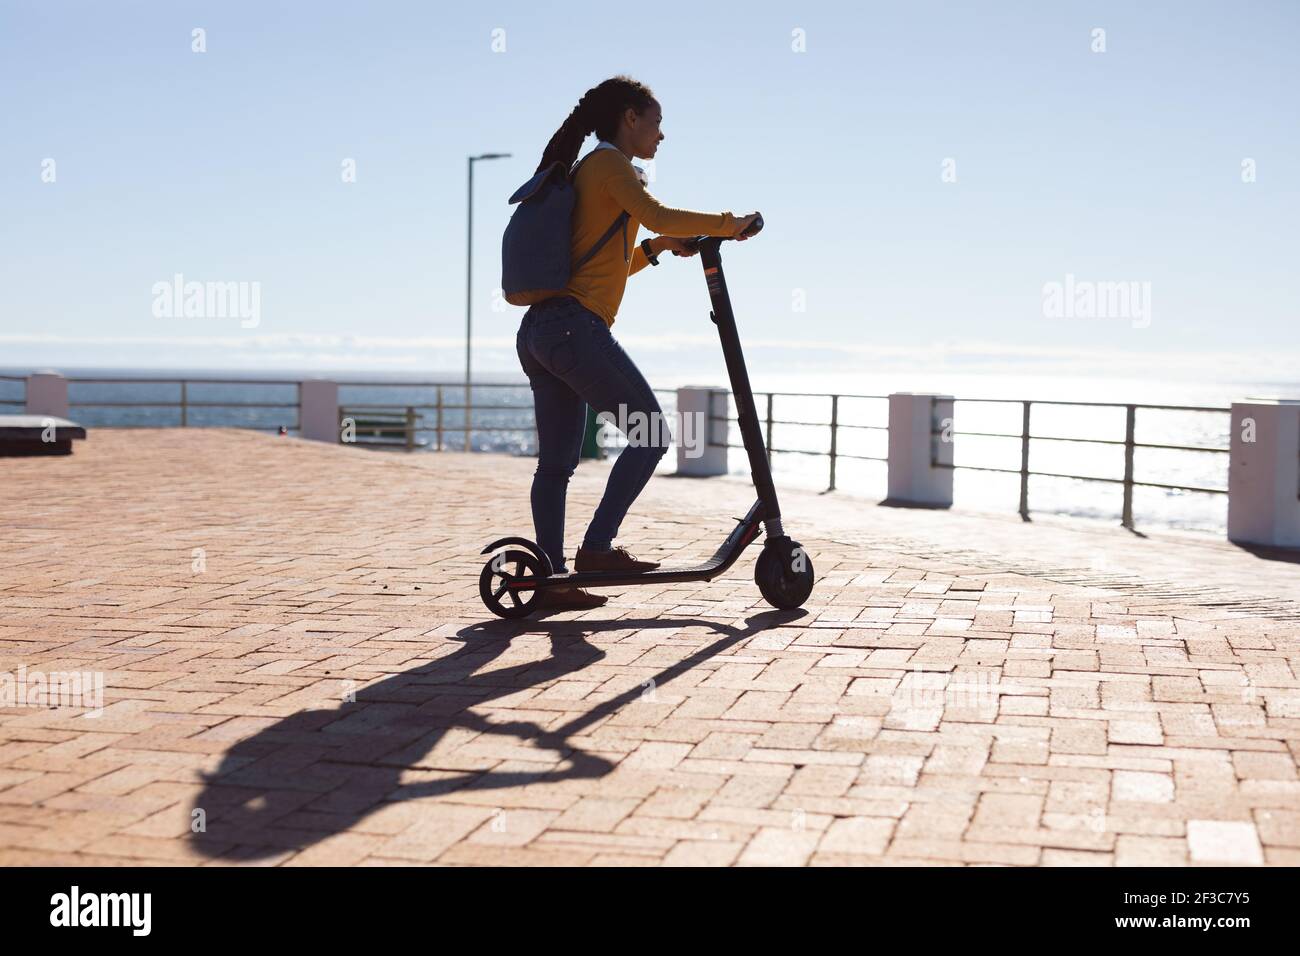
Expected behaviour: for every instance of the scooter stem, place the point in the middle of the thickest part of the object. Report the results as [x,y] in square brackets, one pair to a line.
[752,435]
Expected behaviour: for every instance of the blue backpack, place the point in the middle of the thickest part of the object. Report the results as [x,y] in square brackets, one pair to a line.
[535,252]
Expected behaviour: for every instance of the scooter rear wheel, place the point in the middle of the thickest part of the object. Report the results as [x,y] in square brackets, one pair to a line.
[494,584]
[785,584]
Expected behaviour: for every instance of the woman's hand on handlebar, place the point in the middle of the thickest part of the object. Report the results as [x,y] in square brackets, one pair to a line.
[741,225]
[689,247]
[679,247]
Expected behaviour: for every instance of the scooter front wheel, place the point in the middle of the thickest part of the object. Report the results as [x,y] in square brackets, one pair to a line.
[494,584]
[784,576]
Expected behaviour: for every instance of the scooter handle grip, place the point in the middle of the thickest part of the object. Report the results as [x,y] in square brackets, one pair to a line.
[754,228]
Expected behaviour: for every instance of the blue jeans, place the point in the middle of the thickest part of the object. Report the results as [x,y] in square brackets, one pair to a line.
[572,361]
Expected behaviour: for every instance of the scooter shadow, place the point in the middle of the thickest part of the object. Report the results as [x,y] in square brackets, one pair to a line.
[322,772]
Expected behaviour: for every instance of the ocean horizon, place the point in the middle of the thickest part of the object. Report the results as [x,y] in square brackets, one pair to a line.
[1154,386]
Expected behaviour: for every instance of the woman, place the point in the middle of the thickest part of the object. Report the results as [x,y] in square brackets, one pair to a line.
[564,343]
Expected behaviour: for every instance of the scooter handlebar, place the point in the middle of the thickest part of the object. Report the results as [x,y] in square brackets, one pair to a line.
[754,229]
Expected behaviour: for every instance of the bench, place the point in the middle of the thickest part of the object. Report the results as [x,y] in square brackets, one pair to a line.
[379,426]
[37,435]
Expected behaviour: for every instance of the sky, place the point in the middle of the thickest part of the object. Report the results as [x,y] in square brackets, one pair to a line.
[927,172]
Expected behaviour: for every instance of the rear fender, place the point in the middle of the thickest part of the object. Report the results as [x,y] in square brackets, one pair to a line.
[523,543]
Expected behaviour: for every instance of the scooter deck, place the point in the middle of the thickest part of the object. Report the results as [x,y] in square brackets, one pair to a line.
[703,572]
[741,536]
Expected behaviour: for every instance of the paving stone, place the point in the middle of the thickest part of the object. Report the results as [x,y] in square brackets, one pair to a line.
[1134,732]
[777,847]
[1264,766]
[1006,809]
[703,853]
[1139,787]
[857,836]
[1217,841]
[1132,850]
[1279,827]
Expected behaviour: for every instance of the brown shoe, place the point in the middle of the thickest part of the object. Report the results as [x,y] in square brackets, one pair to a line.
[569,599]
[615,559]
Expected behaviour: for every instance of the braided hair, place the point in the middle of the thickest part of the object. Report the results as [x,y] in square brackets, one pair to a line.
[599,111]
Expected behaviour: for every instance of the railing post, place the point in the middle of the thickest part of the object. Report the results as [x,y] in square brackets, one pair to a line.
[1024,460]
[835,424]
[1264,472]
[1130,421]
[768,439]
[697,454]
[184,405]
[439,424]
[47,394]
[469,413]
[410,428]
[318,410]
[918,473]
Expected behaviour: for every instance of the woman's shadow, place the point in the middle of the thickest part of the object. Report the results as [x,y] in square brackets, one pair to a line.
[320,772]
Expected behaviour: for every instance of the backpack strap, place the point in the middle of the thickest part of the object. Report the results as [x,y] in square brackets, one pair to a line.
[621,221]
[578,165]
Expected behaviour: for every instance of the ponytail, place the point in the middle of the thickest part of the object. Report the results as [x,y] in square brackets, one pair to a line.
[599,111]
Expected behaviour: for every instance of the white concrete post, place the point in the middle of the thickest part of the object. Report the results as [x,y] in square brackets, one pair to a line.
[318,410]
[696,457]
[1264,472]
[914,450]
[47,394]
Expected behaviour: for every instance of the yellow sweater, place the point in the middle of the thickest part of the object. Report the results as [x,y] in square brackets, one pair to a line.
[606,185]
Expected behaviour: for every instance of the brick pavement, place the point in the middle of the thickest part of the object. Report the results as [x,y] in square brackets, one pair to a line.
[296,665]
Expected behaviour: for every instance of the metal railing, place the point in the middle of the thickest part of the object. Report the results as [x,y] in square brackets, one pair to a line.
[443,414]
[446,417]
[20,402]
[834,424]
[1129,443]
[944,432]
[184,403]
[440,407]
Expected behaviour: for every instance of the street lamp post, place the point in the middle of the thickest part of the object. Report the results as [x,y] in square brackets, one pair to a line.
[469,283]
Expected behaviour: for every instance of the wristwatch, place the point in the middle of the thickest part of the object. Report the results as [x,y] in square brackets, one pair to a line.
[649,253]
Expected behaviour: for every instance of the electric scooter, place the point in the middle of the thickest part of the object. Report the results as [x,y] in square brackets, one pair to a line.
[512,580]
